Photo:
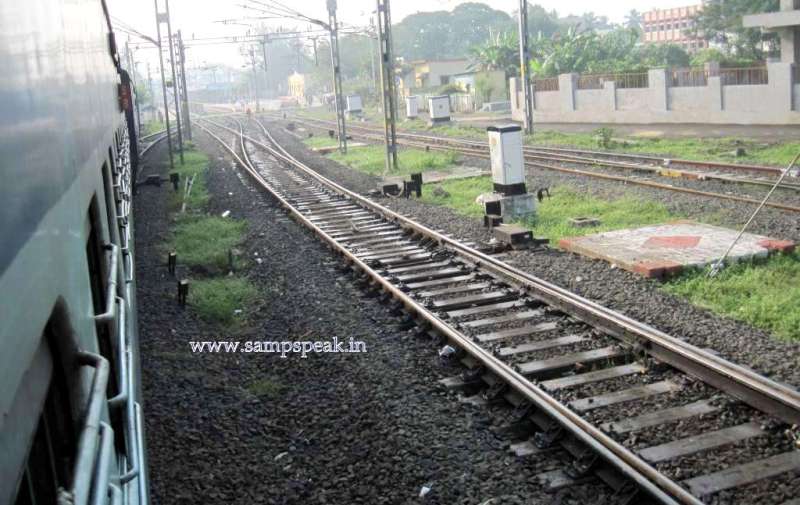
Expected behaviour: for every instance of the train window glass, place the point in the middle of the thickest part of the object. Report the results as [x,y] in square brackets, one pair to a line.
[52,454]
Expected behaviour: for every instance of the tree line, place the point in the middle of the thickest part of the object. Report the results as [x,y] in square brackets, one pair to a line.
[587,43]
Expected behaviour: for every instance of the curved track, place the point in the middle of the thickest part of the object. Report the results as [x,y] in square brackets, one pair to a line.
[587,377]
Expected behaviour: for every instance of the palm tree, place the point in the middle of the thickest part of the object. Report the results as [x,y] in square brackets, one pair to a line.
[634,19]
[499,52]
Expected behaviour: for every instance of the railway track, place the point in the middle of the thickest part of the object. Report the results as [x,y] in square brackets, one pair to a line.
[645,174]
[657,419]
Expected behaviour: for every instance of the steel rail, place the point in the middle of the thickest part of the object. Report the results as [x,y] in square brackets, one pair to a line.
[758,391]
[645,476]
[642,157]
[480,153]
[146,149]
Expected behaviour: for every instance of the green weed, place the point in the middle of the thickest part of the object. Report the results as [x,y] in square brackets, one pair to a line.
[763,293]
[216,300]
[205,241]
[371,159]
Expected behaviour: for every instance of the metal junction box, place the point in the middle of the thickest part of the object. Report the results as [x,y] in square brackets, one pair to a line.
[508,166]
[412,107]
[353,103]
[439,107]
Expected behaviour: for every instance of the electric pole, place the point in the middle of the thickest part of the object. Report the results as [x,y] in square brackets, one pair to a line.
[175,88]
[337,75]
[182,60]
[255,76]
[132,66]
[524,65]
[264,54]
[160,18]
[387,83]
[372,58]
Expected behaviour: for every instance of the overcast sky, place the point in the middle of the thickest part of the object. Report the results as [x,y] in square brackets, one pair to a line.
[196,18]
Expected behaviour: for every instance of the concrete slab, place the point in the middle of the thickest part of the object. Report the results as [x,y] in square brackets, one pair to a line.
[663,250]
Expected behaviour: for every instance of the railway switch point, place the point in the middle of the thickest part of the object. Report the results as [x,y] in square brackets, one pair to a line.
[664,250]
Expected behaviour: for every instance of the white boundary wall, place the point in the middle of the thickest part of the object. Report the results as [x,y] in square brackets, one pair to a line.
[776,103]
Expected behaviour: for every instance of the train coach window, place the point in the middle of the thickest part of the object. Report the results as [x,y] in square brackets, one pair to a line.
[52,454]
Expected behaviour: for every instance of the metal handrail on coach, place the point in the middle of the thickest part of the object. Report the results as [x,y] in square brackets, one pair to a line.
[85,461]
[111,286]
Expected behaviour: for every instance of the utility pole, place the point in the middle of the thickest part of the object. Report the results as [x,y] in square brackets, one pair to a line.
[150,84]
[132,66]
[160,18]
[264,54]
[175,88]
[337,75]
[387,83]
[372,58]
[524,65]
[255,76]
[182,60]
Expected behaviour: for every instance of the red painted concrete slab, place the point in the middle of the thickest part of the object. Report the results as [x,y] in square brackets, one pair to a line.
[661,251]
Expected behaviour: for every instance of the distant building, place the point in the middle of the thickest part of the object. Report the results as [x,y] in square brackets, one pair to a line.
[492,83]
[432,73]
[297,87]
[786,23]
[671,26]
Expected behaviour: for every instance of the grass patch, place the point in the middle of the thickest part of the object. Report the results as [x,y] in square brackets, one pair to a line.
[151,127]
[444,130]
[700,149]
[763,293]
[371,159]
[320,141]
[205,241]
[195,163]
[553,214]
[215,300]
[266,387]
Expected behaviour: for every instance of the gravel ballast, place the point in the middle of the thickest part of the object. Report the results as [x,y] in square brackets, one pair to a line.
[599,281]
[369,428]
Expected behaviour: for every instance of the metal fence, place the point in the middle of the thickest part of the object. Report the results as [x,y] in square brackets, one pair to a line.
[546,84]
[744,76]
[623,81]
[685,77]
